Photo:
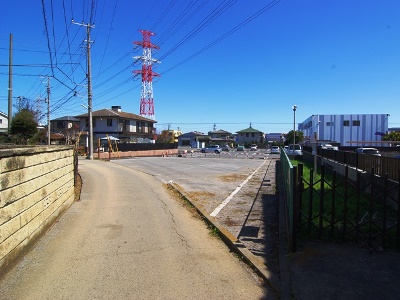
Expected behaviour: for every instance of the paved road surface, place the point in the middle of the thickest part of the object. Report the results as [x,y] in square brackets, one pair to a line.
[128,239]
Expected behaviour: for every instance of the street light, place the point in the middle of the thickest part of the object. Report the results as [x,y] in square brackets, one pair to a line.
[294,123]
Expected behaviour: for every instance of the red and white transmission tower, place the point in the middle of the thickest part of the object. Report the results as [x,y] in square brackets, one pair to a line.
[146,94]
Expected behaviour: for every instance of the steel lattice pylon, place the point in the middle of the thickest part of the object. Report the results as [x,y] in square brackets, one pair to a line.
[146,95]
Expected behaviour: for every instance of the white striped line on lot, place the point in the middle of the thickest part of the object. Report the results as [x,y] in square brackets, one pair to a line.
[229,198]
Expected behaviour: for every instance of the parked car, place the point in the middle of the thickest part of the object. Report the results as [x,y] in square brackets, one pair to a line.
[329,147]
[226,148]
[275,150]
[286,148]
[295,149]
[371,151]
[182,150]
[240,148]
[211,149]
[253,147]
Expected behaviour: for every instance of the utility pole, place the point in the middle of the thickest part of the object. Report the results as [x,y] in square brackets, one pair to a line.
[10,86]
[294,124]
[89,80]
[48,111]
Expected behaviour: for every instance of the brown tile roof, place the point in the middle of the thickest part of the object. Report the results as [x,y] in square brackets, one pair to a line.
[113,113]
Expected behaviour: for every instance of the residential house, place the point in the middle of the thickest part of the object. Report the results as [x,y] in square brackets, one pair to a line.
[65,129]
[346,130]
[194,139]
[221,137]
[3,123]
[127,127]
[250,136]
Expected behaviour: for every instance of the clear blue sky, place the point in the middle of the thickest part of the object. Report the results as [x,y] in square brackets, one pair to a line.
[247,61]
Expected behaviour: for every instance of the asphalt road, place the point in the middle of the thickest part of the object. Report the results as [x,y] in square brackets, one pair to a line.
[129,239]
[208,180]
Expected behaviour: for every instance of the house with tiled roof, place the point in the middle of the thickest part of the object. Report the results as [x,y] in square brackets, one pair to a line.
[64,130]
[194,139]
[221,137]
[114,122]
[250,136]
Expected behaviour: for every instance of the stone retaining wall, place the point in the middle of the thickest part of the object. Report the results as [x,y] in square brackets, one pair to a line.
[36,186]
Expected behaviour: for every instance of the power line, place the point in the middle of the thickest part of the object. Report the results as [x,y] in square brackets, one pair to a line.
[225,35]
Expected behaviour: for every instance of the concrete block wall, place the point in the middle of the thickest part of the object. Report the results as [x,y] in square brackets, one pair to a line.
[130,154]
[36,186]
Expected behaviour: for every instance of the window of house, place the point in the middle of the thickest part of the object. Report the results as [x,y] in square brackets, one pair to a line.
[346,123]
[94,122]
[252,134]
[247,135]
[356,123]
[329,123]
[60,124]
[1,121]
[109,122]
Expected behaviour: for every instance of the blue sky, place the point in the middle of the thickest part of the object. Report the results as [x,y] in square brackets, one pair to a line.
[250,62]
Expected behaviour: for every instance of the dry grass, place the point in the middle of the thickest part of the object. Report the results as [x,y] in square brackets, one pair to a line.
[177,196]
[232,177]
[200,195]
[78,187]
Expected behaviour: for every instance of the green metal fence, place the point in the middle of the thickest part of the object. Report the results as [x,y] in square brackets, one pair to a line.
[289,174]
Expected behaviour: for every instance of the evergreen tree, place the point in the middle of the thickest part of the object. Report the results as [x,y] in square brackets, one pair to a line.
[23,126]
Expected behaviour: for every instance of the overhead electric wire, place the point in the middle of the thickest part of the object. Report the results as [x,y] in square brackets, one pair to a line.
[54,34]
[47,34]
[183,17]
[165,12]
[108,37]
[217,12]
[225,35]
[213,15]
[67,35]
[180,21]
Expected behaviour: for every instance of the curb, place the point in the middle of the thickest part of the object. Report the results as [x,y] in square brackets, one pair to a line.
[236,246]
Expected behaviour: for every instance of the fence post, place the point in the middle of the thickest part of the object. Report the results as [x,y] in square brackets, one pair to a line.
[310,203]
[346,178]
[321,202]
[371,206]
[295,211]
[385,193]
[358,191]
[398,218]
[300,189]
[332,220]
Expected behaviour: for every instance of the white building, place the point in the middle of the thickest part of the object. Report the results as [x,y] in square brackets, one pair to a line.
[3,122]
[348,130]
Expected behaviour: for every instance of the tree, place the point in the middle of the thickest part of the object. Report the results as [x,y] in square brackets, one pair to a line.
[165,137]
[23,126]
[392,136]
[289,137]
[27,104]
